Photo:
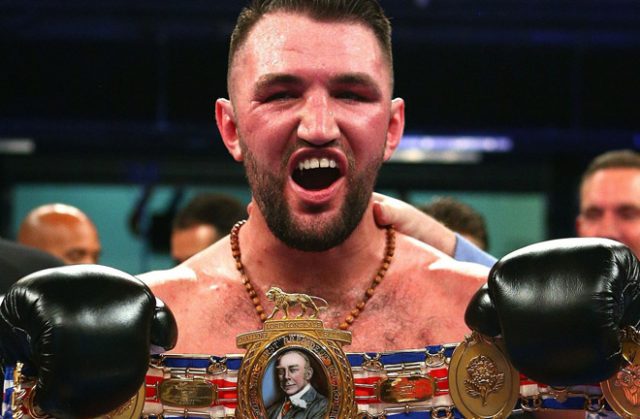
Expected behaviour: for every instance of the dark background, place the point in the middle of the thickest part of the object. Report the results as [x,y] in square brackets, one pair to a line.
[123,91]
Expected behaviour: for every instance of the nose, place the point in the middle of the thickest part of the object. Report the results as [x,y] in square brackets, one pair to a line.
[609,227]
[318,125]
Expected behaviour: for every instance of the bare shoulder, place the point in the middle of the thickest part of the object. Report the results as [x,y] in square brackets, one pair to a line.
[422,260]
[208,300]
[166,276]
[203,271]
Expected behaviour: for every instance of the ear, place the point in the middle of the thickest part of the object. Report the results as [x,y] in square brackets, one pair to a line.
[226,121]
[396,127]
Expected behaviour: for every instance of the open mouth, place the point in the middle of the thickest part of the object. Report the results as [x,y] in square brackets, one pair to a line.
[316,173]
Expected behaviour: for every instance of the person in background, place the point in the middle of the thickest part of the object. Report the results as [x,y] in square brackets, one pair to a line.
[203,221]
[610,199]
[461,218]
[17,261]
[63,231]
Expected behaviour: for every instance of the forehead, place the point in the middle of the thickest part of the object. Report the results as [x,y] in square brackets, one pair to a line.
[291,358]
[613,184]
[290,43]
[615,177]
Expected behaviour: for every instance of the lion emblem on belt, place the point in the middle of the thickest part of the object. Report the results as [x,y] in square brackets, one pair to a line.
[283,301]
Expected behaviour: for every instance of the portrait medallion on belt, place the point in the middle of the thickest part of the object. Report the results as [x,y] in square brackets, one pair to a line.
[482,381]
[295,364]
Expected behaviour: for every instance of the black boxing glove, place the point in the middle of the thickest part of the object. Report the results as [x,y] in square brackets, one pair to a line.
[559,306]
[84,331]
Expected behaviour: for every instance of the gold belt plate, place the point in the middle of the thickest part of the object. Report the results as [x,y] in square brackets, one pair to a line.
[414,388]
[482,381]
[187,392]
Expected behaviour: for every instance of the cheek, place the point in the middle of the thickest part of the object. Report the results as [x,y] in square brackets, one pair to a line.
[633,230]
[588,229]
[266,131]
[366,133]
[268,143]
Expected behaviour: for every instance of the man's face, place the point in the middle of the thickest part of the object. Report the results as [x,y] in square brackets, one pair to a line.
[610,206]
[186,242]
[311,116]
[292,374]
[74,243]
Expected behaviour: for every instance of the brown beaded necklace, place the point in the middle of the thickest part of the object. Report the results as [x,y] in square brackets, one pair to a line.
[355,312]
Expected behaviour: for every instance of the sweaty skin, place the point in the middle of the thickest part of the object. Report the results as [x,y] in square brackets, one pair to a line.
[421,300]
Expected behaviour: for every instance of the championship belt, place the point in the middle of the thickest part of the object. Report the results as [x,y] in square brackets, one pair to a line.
[473,379]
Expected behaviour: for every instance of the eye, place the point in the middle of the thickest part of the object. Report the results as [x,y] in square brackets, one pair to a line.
[76,255]
[279,96]
[629,213]
[351,95]
[592,213]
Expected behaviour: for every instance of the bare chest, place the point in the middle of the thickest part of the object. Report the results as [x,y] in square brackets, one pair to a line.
[209,317]
[404,313]
[410,318]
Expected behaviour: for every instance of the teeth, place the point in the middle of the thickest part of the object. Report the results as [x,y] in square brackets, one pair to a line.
[315,163]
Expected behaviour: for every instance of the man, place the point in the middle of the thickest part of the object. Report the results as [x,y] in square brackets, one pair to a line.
[610,199]
[63,231]
[203,221]
[302,401]
[312,117]
[17,261]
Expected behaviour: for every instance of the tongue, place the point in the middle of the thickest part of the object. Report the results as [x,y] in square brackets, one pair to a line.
[315,179]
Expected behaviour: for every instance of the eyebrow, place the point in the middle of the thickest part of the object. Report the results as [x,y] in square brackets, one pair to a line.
[268,80]
[272,79]
[362,79]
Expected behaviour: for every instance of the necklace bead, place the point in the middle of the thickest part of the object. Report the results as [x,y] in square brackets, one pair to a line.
[354,313]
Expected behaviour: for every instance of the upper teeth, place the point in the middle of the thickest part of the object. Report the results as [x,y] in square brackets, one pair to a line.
[315,163]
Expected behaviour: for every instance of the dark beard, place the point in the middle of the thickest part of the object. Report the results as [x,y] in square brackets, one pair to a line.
[268,190]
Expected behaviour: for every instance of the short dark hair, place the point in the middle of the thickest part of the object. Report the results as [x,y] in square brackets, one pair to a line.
[367,12]
[220,211]
[614,159]
[459,217]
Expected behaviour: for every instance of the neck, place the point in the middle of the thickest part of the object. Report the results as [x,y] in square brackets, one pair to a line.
[345,266]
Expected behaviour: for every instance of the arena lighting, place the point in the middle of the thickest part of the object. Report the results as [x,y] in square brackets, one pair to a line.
[17,146]
[449,149]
